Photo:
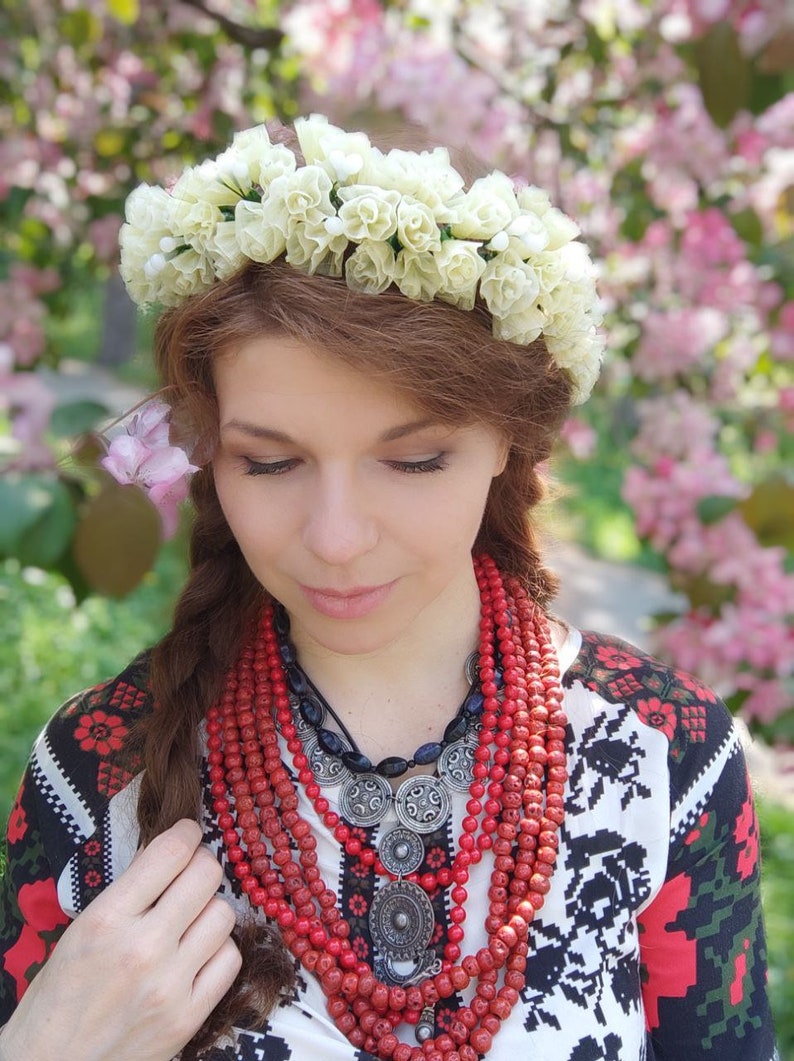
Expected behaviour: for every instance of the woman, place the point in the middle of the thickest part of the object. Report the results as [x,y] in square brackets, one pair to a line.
[446,825]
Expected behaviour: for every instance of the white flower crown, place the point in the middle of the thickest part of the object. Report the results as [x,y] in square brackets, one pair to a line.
[408,217]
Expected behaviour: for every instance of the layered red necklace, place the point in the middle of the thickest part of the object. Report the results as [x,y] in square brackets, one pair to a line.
[515,808]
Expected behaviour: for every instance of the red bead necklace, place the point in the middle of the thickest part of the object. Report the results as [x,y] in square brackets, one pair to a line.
[514,809]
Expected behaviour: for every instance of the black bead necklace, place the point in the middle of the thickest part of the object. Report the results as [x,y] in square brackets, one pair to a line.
[314,708]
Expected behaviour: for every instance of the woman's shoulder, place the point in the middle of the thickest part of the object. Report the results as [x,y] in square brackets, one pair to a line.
[691,717]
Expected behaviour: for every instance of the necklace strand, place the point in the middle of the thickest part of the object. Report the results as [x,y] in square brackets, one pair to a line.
[514,810]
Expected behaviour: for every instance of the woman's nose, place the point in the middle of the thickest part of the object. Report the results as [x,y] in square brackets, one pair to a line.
[339,525]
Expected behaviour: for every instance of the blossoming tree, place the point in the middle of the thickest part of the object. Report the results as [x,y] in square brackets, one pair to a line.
[665,128]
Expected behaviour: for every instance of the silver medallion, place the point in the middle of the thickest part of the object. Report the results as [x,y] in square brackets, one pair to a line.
[401,920]
[364,799]
[472,668]
[327,769]
[422,804]
[401,851]
[456,764]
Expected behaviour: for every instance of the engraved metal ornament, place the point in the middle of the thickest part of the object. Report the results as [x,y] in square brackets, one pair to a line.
[364,799]
[401,920]
[422,804]
[427,965]
[327,769]
[456,764]
[472,667]
[401,851]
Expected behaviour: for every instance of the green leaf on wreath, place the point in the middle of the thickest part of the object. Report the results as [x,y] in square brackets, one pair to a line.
[769,512]
[117,539]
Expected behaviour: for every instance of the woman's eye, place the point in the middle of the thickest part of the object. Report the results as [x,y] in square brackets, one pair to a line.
[429,464]
[279,467]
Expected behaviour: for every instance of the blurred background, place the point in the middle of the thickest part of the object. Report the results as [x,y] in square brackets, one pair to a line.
[665,127]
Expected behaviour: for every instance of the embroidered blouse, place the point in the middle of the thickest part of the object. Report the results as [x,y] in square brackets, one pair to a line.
[650,946]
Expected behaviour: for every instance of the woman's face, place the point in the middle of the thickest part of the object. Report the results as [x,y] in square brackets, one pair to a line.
[350,505]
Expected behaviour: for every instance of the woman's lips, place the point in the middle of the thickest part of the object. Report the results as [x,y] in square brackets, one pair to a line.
[347,604]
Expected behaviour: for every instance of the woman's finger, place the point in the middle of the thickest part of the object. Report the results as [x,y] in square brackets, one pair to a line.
[206,935]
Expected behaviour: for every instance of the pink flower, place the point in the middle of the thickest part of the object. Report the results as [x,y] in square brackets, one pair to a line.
[144,457]
[579,437]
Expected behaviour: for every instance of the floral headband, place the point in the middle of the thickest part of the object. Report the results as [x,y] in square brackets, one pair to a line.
[406,215]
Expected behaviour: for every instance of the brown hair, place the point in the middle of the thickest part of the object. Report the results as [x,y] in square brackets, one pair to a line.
[446,361]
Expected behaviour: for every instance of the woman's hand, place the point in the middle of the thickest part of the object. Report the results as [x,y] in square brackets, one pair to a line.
[138,972]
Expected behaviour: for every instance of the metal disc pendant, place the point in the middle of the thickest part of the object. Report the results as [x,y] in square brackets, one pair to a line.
[401,920]
[456,764]
[472,668]
[327,769]
[364,799]
[422,804]
[401,851]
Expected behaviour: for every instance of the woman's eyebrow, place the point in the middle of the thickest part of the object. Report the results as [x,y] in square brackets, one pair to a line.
[271,434]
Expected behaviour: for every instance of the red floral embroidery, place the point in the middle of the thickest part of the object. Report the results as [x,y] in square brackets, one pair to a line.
[358,905]
[18,822]
[100,733]
[436,857]
[616,658]
[93,878]
[657,714]
[38,903]
[360,948]
[745,833]
[92,848]
[701,691]
[669,957]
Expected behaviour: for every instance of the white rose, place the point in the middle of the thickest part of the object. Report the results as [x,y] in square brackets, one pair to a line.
[487,207]
[186,274]
[520,326]
[533,198]
[530,232]
[195,222]
[224,250]
[368,212]
[203,184]
[305,194]
[370,268]
[147,212]
[460,267]
[426,176]
[312,248]
[561,228]
[508,284]
[582,361]
[341,154]
[417,275]
[147,209]
[261,229]
[549,268]
[417,228]
[253,160]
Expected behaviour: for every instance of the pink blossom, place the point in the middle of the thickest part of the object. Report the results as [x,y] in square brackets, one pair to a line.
[782,336]
[144,456]
[579,437]
[678,340]
[29,403]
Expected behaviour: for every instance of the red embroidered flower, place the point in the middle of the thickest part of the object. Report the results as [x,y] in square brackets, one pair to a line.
[38,903]
[616,658]
[92,848]
[18,822]
[657,714]
[444,1018]
[436,857]
[745,833]
[92,879]
[360,948]
[701,691]
[357,905]
[100,733]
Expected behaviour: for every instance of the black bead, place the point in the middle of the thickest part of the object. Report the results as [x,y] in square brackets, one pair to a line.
[473,704]
[287,651]
[357,762]
[498,677]
[330,742]
[428,753]
[296,680]
[311,712]
[280,622]
[393,766]
[456,729]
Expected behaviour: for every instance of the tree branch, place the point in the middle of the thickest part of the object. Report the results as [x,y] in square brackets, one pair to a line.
[249,36]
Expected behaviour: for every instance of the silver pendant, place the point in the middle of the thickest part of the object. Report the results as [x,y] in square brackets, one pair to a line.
[401,851]
[422,804]
[327,769]
[401,920]
[472,668]
[456,764]
[364,799]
